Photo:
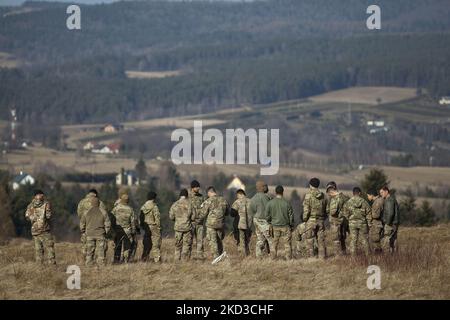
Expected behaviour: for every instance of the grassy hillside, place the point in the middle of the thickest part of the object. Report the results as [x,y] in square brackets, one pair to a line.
[420,270]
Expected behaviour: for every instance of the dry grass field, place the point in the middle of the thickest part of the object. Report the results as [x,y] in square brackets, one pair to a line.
[420,270]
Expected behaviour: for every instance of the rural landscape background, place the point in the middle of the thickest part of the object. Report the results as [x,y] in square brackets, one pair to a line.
[80,108]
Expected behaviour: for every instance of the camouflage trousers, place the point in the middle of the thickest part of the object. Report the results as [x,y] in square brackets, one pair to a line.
[122,241]
[244,242]
[183,245]
[284,234]
[95,250]
[198,240]
[263,237]
[338,235]
[359,234]
[152,243]
[389,240]
[215,237]
[44,241]
[315,236]
[83,246]
[375,236]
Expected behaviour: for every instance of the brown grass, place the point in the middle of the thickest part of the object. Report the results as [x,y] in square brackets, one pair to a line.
[420,270]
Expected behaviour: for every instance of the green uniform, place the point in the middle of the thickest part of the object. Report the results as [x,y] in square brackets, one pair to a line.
[280,215]
[181,213]
[262,227]
[338,223]
[241,210]
[39,213]
[314,214]
[125,229]
[376,224]
[391,221]
[150,218]
[214,210]
[95,224]
[358,211]
[196,200]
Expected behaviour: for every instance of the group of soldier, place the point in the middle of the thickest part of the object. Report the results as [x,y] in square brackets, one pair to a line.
[196,217]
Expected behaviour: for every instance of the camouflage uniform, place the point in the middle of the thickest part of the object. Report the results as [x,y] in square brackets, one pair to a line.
[280,215]
[241,209]
[357,211]
[391,221]
[314,214]
[214,210]
[376,224]
[125,228]
[299,236]
[338,224]
[83,207]
[39,214]
[196,200]
[181,213]
[151,223]
[262,227]
[95,224]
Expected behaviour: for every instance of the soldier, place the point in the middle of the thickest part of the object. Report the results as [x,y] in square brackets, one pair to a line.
[280,215]
[181,213]
[83,207]
[391,220]
[214,210]
[357,211]
[299,236]
[196,199]
[338,224]
[39,213]
[314,214]
[375,220]
[241,210]
[151,223]
[125,227]
[95,224]
[258,210]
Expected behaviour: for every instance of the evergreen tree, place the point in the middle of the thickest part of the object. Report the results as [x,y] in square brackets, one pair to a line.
[375,180]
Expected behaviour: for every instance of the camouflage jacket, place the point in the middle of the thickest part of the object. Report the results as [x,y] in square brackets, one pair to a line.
[357,210]
[376,217]
[95,223]
[39,214]
[279,213]
[335,207]
[241,208]
[181,213]
[196,200]
[314,205]
[258,205]
[214,210]
[85,204]
[391,211]
[124,218]
[150,214]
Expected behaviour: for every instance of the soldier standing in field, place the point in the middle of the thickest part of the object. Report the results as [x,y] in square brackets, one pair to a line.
[338,223]
[95,224]
[280,215]
[357,211]
[124,227]
[196,199]
[376,220]
[181,213]
[150,218]
[83,207]
[39,213]
[214,210]
[314,214]
[391,220]
[262,227]
[241,210]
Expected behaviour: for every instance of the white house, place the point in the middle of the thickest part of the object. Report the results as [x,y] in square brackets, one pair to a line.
[236,183]
[22,179]
[89,146]
[112,148]
[445,101]
[127,178]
